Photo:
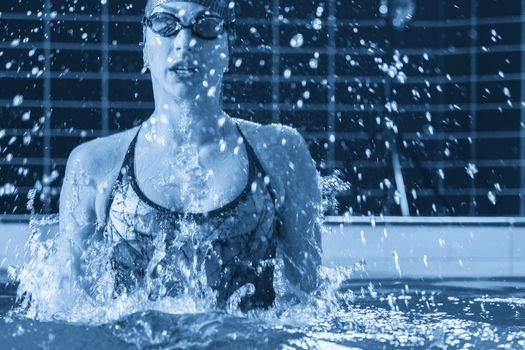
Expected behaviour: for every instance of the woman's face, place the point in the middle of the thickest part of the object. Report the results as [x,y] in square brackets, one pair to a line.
[185,65]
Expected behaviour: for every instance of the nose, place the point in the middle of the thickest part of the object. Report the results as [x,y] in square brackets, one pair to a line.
[184,40]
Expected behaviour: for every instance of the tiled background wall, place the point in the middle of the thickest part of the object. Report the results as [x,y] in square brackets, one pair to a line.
[437,102]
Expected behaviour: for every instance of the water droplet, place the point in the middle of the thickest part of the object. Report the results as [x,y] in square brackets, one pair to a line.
[363,238]
[317,24]
[492,197]
[211,91]
[222,145]
[319,11]
[471,170]
[18,100]
[297,40]
[396,262]
[306,95]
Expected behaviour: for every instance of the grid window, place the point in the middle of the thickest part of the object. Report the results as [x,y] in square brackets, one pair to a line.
[443,92]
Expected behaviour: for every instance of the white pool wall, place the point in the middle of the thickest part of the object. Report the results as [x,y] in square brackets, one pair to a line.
[425,247]
[13,237]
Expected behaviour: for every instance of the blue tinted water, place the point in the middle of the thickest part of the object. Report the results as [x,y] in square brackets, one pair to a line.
[377,314]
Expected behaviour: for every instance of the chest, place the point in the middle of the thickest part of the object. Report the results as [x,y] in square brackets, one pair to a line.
[188,183]
[134,219]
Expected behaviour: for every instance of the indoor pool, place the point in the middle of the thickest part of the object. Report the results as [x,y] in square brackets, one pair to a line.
[368,314]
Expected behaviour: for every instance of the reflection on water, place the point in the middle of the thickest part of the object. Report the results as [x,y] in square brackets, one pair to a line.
[410,314]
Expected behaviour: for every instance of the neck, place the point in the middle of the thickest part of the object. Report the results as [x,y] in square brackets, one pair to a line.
[190,120]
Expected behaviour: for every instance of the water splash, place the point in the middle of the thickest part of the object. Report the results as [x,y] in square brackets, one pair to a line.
[48,292]
[331,186]
[44,294]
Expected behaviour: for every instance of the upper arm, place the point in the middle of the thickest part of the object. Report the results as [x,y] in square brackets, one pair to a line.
[77,201]
[91,171]
[300,213]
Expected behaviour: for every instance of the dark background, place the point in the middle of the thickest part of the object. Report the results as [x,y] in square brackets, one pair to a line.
[438,98]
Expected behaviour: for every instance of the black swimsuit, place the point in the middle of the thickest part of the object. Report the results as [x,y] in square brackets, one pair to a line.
[168,252]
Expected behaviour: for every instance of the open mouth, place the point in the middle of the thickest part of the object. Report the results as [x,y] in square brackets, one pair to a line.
[183,72]
[183,69]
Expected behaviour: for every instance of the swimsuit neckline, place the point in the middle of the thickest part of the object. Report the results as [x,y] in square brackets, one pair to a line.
[195,215]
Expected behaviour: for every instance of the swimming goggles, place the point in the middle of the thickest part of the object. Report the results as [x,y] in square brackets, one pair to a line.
[205,25]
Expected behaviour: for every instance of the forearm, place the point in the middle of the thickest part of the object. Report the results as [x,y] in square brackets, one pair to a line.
[302,274]
[302,255]
[68,258]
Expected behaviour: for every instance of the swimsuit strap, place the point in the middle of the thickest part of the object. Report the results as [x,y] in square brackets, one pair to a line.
[130,164]
[129,160]
[258,163]
[269,187]
[129,155]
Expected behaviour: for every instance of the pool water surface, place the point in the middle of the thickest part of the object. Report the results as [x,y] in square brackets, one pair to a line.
[370,314]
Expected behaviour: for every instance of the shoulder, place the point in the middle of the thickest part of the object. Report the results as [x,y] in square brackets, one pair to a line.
[284,154]
[278,140]
[91,171]
[101,154]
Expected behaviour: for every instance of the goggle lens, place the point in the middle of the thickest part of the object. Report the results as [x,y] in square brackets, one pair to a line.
[164,24]
[209,27]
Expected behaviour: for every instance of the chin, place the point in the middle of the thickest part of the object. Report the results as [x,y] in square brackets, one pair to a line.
[182,89]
